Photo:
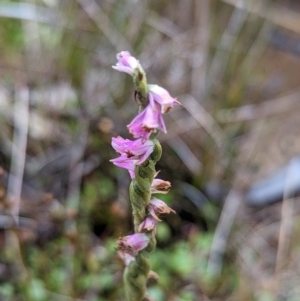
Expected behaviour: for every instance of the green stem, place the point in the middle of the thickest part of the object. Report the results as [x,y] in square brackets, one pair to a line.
[135,277]
[140,186]
[141,87]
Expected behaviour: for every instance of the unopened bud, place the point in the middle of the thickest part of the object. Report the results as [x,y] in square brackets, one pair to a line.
[157,207]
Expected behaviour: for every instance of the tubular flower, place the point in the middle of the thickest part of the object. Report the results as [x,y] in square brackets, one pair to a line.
[126,63]
[132,244]
[146,122]
[161,96]
[148,224]
[157,207]
[135,150]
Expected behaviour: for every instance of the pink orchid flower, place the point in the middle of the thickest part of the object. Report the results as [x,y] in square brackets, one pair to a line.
[162,97]
[132,244]
[131,153]
[146,122]
[136,149]
[126,62]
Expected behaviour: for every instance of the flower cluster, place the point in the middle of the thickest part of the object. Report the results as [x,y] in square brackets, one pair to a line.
[134,152]
[149,120]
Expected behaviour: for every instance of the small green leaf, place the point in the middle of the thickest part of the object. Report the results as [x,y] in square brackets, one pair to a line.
[36,290]
[156,293]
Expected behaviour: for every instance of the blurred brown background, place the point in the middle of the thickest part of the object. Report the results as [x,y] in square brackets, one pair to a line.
[231,151]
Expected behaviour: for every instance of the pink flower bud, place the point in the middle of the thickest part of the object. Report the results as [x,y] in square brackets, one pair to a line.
[132,244]
[157,207]
[160,186]
[126,63]
[148,224]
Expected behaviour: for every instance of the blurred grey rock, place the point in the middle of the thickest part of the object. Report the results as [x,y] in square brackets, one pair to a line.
[216,191]
[285,41]
[285,182]
[193,194]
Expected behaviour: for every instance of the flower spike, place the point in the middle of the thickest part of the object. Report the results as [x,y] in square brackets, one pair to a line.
[139,157]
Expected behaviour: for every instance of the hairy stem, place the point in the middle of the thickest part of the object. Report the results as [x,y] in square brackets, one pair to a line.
[135,277]
[140,186]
